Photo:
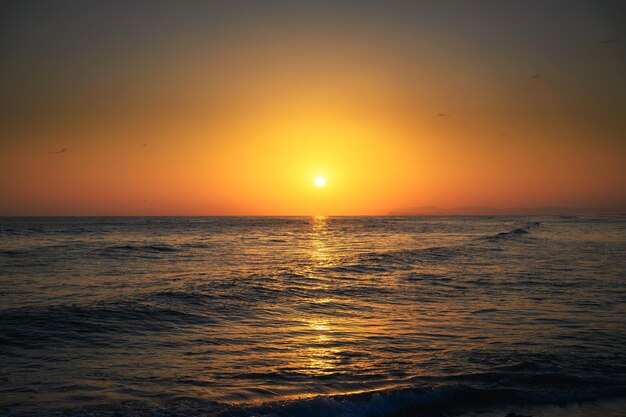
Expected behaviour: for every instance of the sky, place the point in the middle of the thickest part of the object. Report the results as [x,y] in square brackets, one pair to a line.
[236,107]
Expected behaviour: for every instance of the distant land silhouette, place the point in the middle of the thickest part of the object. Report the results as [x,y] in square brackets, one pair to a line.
[511,211]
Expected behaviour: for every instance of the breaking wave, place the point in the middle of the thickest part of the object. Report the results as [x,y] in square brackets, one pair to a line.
[424,400]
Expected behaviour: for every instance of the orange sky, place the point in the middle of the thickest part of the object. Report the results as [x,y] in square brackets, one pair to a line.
[235,110]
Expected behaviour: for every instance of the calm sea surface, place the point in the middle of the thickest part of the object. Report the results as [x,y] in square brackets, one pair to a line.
[359,316]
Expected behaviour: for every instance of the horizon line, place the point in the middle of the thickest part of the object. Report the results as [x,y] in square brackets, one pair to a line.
[307,215]
[423,211]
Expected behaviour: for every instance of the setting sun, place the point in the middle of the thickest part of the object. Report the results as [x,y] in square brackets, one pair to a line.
[320,181]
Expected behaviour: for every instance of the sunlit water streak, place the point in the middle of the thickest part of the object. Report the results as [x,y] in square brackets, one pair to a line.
[255,316]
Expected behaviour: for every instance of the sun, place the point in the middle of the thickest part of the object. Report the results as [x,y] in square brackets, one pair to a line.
[320,181]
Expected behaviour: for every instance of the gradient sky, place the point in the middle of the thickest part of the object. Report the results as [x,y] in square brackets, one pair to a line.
[234,107]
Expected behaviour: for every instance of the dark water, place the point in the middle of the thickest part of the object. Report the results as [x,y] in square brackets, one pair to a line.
[308,316]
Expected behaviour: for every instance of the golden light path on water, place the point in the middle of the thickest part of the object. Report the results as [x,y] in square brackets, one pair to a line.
[316,343]
[318,358]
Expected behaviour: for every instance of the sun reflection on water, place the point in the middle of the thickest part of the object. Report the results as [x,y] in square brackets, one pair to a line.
[315,353]
[319,235]
[317,356]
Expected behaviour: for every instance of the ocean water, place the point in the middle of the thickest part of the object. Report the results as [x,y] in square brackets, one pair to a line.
[300,316]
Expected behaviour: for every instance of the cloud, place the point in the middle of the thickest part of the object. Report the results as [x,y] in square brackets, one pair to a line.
[610,41]
[63,150]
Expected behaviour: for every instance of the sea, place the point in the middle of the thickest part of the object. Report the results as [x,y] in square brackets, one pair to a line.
[312,316]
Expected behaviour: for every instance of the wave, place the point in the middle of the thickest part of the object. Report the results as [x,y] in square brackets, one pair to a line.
[196,245]
[153,248]
[399,260]
[15,253]
[511,233]
[30,231]
[516,232]
[406,259]
[425,400]
[80,324]
[35,231]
